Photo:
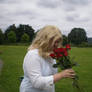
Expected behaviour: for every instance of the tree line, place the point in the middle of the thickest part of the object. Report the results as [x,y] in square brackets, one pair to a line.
[25,33]
[13,34]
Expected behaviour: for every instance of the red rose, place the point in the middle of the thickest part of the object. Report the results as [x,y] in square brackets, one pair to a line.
[59,55]
[52,55]
[68,46]
[65,53]
[56,50]
[61,50]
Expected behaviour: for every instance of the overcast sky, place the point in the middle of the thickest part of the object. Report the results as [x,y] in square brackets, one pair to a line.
[66,14]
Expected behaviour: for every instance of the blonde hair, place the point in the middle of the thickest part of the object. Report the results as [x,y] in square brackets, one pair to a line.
[45,39]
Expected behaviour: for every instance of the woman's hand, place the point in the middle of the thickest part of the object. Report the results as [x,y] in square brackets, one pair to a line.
[68,73]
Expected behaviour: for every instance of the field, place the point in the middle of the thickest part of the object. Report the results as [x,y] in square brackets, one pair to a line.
[12,57]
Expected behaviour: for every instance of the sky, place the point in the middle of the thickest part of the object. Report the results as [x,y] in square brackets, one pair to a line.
[65,14]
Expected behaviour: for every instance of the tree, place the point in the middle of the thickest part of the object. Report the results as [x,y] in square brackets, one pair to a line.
[77,36]
[65,40]
[21,29]
[10,28]
[25,38]
[1,37]
[11,37]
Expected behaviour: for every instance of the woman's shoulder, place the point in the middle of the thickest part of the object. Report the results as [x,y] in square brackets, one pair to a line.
[33,52]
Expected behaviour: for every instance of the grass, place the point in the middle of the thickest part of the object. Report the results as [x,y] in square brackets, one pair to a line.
[12,57]
[84,58]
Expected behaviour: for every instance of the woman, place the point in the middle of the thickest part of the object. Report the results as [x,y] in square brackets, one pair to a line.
[39,74]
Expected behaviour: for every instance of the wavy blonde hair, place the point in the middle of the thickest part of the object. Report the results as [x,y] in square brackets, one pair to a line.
[45,40]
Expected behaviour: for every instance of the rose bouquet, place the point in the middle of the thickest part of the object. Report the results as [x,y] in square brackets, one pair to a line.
[65,62]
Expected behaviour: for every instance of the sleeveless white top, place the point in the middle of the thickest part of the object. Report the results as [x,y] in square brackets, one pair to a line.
[38,73]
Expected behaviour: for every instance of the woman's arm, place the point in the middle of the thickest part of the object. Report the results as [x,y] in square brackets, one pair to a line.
[68,73]
[32,68]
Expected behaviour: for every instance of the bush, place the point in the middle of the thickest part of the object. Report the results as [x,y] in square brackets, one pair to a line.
[25,38]
[11,37]
[85,44]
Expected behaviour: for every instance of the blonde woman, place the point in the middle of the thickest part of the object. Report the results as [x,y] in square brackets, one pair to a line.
[39,74]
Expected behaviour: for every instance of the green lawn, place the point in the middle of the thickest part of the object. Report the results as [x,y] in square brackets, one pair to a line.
[12,57]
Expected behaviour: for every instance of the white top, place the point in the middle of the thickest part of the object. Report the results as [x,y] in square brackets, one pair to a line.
[38,73]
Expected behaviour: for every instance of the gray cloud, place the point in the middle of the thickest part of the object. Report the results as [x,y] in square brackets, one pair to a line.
[77,18]
[4,1]
[69,8]
[49,3]
[77,2]
[65,14]
[70,18]
[72,5]
[7,1]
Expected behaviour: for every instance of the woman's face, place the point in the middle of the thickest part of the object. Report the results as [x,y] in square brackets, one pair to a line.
[56,43]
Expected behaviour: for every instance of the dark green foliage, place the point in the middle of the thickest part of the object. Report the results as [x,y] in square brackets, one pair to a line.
[25,38]
[77,36]
[10,28]
[1,37]
[21,29]
[11,37]
[65,40]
